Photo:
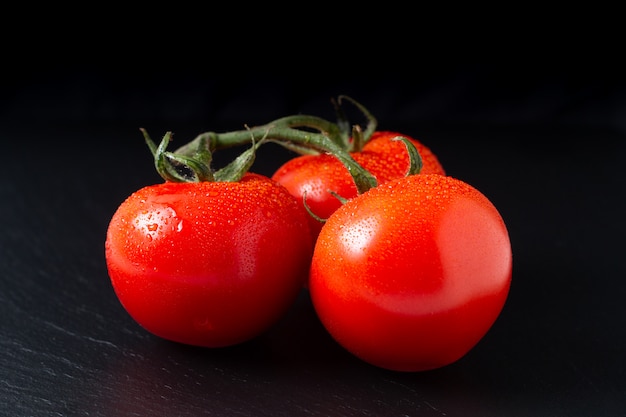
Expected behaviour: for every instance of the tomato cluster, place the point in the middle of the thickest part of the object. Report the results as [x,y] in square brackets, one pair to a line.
[407,268]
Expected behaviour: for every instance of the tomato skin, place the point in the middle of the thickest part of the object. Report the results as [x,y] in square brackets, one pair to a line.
[209,264]
[412,274]
[316,174]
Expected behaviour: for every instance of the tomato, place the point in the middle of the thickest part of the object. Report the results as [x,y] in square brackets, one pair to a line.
[315,175]
[208,263]
[410,275]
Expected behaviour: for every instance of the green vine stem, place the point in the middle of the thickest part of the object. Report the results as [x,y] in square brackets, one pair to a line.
[287,131]
[303,134]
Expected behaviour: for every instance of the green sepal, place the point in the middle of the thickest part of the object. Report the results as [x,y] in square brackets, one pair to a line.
[343,123]
[415,159]
[357,143]
[308,209]
[180,168]
[151,145]
[341,199]
[236,169]
[362,178]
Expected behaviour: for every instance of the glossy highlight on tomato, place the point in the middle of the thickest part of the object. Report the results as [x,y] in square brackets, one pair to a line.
[411,275]
[210,264]
[315,175]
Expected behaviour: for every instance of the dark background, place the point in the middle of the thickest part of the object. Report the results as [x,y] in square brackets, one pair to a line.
[541,134]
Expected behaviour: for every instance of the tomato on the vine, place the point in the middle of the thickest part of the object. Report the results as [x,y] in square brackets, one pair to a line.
[315,175]
[208,263]
[410,275]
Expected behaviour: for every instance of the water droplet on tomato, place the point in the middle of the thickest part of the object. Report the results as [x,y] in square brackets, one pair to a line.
[154,223]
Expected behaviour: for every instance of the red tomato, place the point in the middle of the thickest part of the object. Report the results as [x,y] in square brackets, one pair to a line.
[208,263]
[314,175]
[410,275]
